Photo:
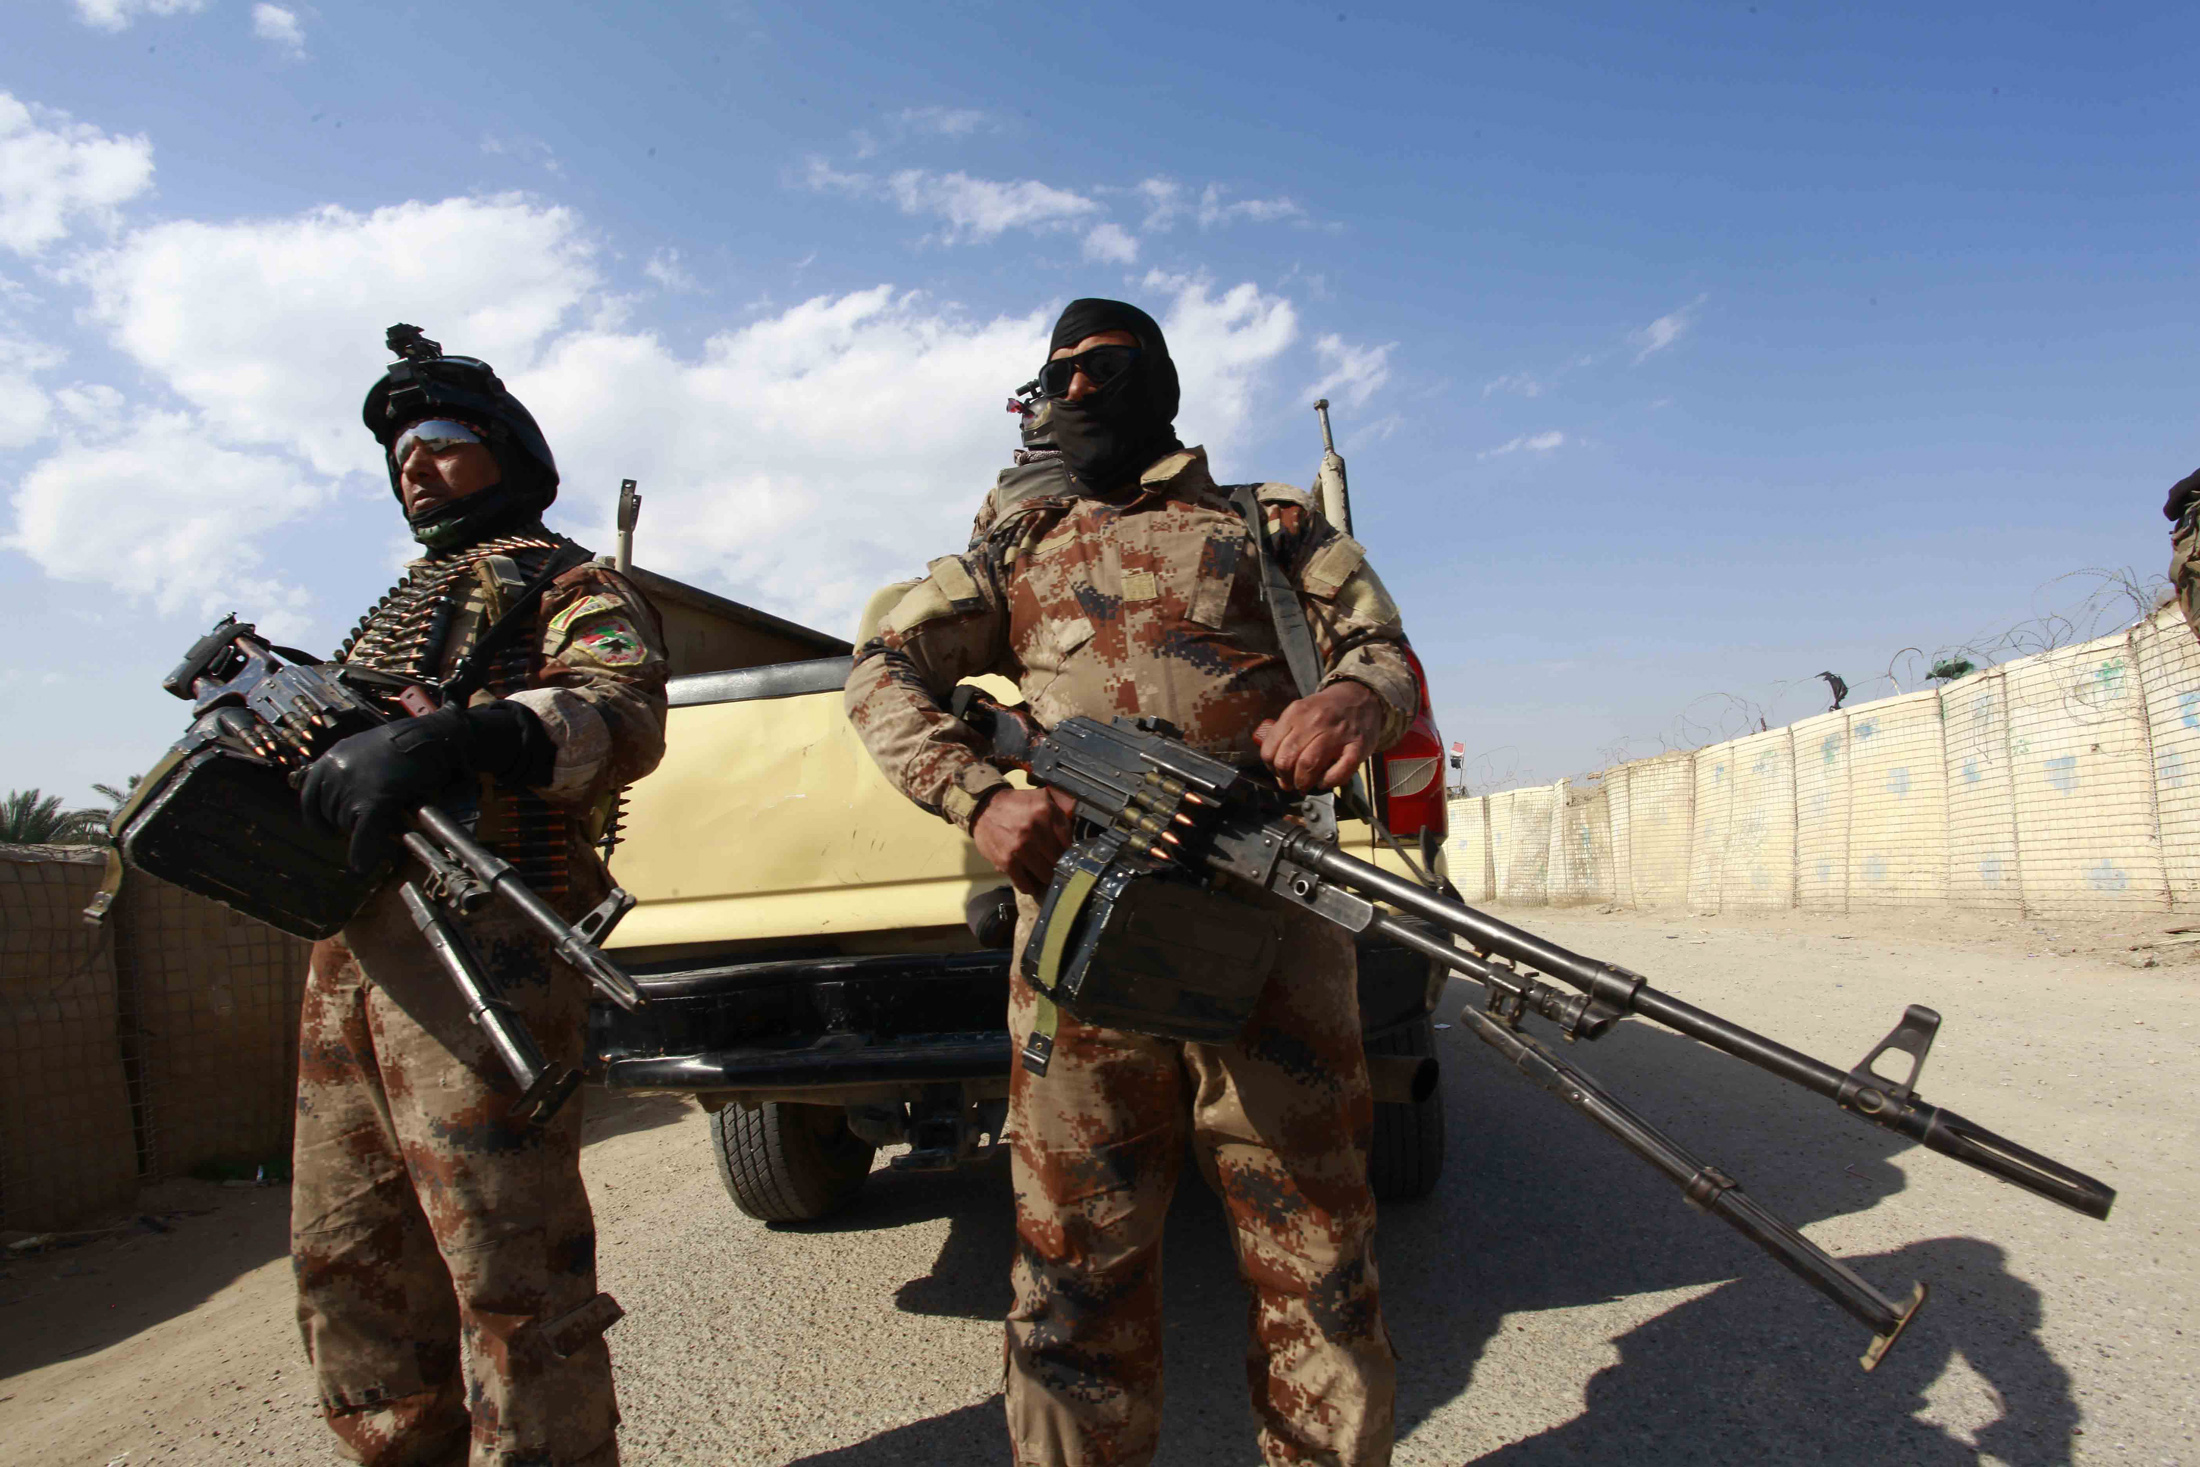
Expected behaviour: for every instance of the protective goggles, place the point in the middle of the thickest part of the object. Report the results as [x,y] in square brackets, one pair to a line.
[437,435]
[1101,365]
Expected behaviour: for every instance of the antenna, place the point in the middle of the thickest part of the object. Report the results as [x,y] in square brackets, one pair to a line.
[1329,482]
[630,510]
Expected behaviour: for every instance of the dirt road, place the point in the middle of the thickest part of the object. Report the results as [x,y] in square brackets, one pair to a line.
[1554,1303]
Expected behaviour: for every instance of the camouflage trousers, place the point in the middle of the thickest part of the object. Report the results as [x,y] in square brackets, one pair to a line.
[1280,1120]
[445,1256]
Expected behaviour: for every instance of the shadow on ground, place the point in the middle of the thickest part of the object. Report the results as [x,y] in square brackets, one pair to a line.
[191,1241]
[610,1113]
[76,1301]
[1538,1210]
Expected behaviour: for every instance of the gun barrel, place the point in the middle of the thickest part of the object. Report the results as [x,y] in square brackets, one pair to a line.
[497,874]
[1616,988]
[543,1087]
[1707,1188]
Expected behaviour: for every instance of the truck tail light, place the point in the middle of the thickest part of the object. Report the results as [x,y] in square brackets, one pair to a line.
[1409,777]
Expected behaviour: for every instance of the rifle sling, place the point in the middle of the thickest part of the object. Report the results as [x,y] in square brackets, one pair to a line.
[1305,664]
[474,670]
[1282,597]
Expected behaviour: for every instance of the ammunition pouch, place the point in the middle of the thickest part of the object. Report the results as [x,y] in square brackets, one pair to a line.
[219,822]
[1128,943]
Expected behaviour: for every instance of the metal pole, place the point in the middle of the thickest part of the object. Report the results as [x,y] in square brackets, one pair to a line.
[1329,480]
[630,510]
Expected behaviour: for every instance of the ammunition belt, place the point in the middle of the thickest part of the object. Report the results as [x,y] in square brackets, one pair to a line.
[408,633]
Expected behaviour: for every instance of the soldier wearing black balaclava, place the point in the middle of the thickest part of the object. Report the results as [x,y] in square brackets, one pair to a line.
[1109,575]
[444,1252]
[2183,512]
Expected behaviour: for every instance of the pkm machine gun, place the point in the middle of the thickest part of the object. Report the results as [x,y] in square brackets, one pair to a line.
[1157,804]
[219,816]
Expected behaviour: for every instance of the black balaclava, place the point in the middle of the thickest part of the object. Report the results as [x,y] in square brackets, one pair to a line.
[1114,434]
[2181,495]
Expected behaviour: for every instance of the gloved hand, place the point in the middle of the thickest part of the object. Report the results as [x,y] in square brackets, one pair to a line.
[366,786]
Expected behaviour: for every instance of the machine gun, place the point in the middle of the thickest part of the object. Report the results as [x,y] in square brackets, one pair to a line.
[219,816]
[1159,805]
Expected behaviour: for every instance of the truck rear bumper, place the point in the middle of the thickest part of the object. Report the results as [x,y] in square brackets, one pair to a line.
[835,1030]
[919,1059]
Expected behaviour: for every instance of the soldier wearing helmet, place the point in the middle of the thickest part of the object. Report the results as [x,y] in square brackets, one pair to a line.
[444,1252]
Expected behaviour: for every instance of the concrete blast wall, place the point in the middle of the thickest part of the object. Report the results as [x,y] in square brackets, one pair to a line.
[2065,783]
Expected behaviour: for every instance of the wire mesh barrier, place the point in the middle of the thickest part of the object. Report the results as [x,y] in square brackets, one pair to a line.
[162,1043]
[2067,782]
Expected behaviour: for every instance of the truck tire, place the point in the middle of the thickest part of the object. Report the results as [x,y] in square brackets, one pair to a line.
[1408,1153]
[789,1163]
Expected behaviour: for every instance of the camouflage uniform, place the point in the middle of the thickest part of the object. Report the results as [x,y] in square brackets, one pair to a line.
[445,1256]
[1150,603]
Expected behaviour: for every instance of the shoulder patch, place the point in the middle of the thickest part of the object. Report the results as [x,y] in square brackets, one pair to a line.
[609,638]
[586,606]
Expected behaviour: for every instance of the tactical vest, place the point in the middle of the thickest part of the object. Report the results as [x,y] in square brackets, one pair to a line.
[414,631]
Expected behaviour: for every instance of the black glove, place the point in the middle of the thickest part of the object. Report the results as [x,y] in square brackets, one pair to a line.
[366,786]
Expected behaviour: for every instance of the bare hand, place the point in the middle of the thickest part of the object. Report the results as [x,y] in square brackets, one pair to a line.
[1023,833]
[1317,742]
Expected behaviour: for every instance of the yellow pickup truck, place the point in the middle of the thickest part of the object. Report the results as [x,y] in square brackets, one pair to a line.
[826,964]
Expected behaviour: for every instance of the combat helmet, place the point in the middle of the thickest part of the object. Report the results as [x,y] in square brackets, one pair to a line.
[424,383]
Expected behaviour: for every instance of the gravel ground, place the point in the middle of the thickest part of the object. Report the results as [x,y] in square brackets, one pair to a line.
[1554,1303]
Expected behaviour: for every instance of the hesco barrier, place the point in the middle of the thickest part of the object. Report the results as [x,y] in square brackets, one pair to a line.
[161,1042]
[2064,783]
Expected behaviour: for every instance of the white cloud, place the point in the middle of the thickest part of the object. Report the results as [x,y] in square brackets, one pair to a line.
[1168,201]
[798,460]
[665,268]
[280,29]
[26,411]
[1356,373]
[116,15]
[154,506]
[979,209]
[1531,442]
[1111,244]
[946,122]
[1666,330]
[526,149]
[53,171]
[941,122]
[983,208]
[1524,383]
[1164,201]
[1213,211]
[268,327]
[805,458]
[1223,346]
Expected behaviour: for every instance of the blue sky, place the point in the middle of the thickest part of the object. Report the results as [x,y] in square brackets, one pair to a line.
[1680,351]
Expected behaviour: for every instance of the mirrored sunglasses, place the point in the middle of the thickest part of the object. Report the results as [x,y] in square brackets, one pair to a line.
[1101,366]
[437,435]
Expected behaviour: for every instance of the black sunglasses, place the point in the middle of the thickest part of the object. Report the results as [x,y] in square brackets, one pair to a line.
[1101,366]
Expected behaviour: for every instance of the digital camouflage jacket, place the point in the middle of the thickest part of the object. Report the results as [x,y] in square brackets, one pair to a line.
[1146,603]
